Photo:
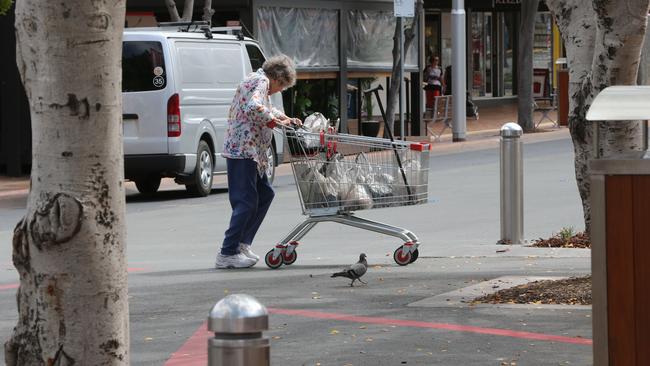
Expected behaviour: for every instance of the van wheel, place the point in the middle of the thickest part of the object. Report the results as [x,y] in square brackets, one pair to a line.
[148,186]
[270,170]
[200,183]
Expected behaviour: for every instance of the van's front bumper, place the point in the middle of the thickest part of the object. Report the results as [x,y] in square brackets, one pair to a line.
[140,166]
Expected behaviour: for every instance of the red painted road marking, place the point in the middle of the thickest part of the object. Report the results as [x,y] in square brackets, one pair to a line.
[136,269]
[194,351]
[444,326]
[9,286]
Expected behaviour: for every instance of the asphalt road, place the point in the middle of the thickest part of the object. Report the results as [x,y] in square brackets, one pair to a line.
[173,239]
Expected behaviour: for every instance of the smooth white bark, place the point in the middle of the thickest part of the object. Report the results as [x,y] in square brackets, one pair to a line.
[207,11]
[173,12]
[69,249]
[603,42]
[619,39]
[188,10]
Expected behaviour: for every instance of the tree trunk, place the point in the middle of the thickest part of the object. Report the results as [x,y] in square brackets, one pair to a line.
[207,11]
[525,65]
[173,12]
[619,40]
[69,248]
[393,90]
[598,37]
[188,10]
[576,21]
[644,66]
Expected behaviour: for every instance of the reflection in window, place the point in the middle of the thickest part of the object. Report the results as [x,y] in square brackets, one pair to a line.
[313,95]
[143,66]
[370,39]
[308,36]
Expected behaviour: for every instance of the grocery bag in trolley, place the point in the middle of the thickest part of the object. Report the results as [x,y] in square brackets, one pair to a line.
[305,140]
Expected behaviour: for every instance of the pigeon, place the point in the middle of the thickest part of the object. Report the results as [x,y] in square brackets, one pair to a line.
[355,271]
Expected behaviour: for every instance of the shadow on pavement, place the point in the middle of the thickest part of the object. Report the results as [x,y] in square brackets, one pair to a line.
[162,196]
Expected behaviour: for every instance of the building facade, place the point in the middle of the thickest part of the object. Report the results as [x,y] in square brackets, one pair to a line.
[340,47]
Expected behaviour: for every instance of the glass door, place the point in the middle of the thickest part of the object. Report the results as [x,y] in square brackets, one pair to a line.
[509,54]
[431,35]
[481,54]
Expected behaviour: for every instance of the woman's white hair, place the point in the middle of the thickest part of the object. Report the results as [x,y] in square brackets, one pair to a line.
[281,69]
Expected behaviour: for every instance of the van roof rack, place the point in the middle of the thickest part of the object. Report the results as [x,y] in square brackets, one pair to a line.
[234,30]
[184,26]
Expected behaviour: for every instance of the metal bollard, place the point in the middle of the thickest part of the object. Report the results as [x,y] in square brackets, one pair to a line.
[238,321]
[512,178]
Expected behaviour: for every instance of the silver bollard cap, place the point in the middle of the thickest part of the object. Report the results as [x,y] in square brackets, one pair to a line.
[238,313]
[511,129]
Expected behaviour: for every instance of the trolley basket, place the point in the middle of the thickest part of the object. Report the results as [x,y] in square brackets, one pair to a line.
[337,174]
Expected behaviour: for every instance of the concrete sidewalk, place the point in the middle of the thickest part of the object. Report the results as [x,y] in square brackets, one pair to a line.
[415,315]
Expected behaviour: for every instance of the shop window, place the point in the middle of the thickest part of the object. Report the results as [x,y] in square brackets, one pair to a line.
[481,54]
[313,95]
[509,46]
[542,55]
[370,39]
[308,36]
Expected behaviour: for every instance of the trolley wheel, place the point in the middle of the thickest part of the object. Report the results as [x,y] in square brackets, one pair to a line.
[401,257]
[273,263]
[415,255]
[289,259]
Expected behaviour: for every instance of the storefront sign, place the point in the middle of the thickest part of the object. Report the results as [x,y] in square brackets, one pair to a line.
[404,8]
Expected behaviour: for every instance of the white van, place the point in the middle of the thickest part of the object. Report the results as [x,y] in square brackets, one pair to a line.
[177,87]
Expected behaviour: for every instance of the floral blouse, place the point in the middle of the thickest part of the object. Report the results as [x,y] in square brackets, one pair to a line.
[250,121]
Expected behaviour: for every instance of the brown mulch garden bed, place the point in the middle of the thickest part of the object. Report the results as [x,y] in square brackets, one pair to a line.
[571,291]
[579,240]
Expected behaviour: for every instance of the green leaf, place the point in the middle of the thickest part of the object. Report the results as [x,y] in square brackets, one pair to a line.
[5,5]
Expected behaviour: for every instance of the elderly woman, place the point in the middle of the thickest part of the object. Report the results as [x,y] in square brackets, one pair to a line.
[250,129]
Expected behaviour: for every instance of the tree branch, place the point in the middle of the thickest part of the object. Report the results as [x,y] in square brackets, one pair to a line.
[393,90]
[173,12]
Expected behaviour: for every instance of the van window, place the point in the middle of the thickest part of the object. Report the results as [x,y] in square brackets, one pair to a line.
[255,55]
[143,66]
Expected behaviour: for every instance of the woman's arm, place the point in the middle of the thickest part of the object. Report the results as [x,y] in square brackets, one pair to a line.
[253,105]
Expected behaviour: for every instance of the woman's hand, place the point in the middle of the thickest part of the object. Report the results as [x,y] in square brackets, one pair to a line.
[295,121]
[290,122]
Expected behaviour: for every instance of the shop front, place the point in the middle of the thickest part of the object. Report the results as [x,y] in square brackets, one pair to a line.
[340,49]
[492,45]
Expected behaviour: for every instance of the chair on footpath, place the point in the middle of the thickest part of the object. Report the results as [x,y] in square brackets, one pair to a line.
[546,105]
[440,111]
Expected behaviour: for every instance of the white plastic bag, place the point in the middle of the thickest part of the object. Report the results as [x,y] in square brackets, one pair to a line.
[317,190]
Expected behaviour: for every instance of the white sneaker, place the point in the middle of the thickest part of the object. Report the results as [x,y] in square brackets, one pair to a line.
[234,261]
[245,249]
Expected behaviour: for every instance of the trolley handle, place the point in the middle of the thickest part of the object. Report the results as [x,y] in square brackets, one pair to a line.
[290,127]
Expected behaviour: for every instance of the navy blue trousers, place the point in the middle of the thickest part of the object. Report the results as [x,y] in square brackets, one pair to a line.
[250,198]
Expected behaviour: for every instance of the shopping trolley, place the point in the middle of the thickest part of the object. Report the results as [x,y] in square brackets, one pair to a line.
[338,174]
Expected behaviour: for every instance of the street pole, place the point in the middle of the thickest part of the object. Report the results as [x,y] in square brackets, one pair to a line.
[400,20]
[459,70]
